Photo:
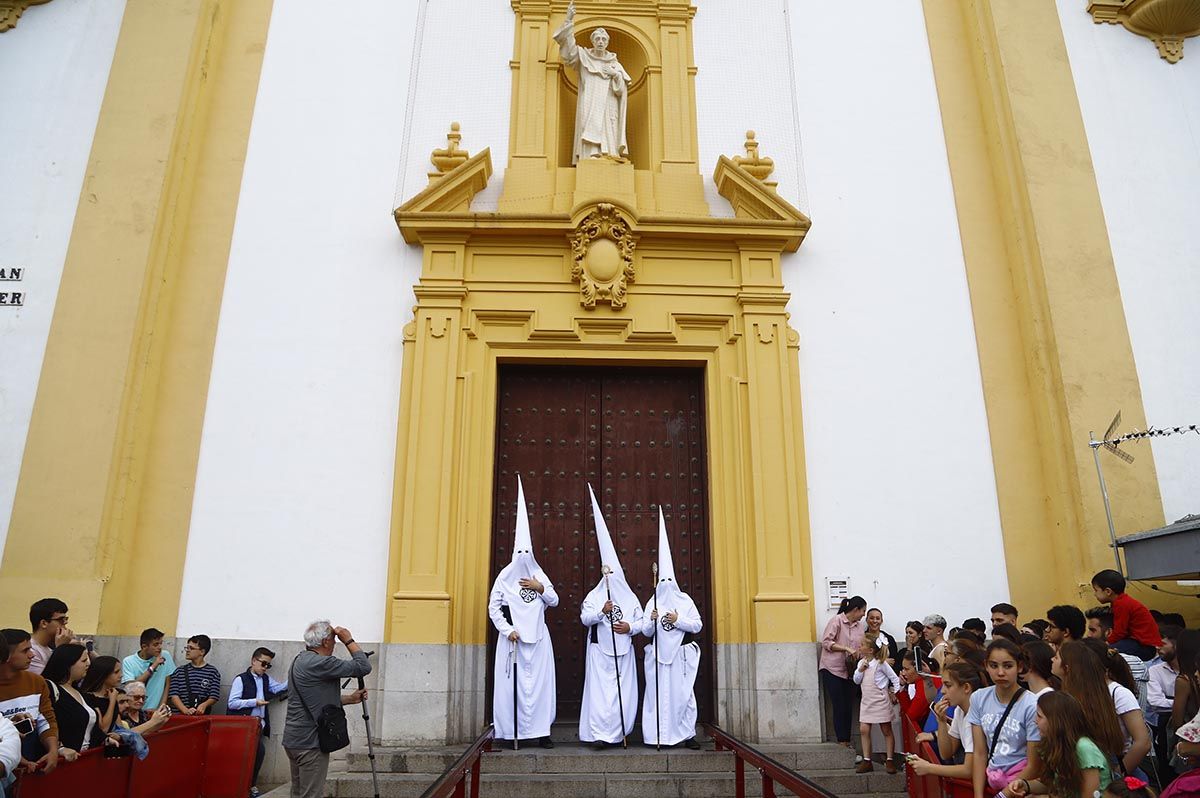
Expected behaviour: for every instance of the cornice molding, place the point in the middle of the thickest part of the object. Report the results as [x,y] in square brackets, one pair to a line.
[1165,22]
[11,11]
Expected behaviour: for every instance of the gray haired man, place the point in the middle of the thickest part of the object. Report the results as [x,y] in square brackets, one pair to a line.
[314,683]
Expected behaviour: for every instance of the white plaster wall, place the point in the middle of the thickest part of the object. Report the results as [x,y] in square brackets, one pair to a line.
[55,65]
[293,493]
[462,75]
[1142,117]
[900,478]
[736,93]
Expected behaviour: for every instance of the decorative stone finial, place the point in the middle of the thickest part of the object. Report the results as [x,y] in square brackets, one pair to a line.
[759,168]
[450,158]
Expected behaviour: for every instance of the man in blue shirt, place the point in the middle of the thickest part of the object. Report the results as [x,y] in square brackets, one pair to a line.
[151,666]
[249,695]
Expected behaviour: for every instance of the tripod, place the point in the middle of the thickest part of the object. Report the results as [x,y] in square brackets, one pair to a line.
[367,723]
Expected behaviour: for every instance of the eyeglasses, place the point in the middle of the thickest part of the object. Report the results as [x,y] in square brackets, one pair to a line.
[265,664]
[191,648]
[61,619]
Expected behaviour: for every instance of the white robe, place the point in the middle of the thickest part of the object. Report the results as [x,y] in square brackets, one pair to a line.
[602,107]
[536,686]
[599,714]
[676,679]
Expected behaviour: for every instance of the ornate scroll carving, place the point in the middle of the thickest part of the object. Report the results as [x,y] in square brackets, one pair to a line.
[602,247]
[1165,22]
[11,11]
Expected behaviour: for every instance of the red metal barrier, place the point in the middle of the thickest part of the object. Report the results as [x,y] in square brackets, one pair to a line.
[209,757]
[930,786]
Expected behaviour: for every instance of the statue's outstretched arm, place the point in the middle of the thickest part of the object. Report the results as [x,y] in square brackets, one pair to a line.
[565,36]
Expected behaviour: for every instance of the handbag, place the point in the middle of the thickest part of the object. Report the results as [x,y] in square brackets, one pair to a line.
[333,734]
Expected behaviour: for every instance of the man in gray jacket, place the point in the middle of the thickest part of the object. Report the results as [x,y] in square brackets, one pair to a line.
[316,682]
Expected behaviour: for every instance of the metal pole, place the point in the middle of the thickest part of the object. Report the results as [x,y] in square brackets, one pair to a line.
[513,658]
[657,705]
[1112,532]
[616,662]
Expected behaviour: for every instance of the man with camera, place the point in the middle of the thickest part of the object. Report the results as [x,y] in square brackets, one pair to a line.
[316,722]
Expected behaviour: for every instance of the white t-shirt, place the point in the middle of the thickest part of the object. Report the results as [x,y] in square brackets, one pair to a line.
[961,730]
[1043,691]
[1124,701]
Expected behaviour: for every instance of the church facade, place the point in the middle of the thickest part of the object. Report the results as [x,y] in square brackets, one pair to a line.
[302,290]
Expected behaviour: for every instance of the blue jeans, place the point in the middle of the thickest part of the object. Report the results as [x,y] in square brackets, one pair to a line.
[1132,647]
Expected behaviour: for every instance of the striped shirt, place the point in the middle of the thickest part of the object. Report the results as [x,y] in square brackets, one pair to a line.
[192,685]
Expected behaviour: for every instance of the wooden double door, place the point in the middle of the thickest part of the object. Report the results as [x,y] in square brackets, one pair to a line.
[637,435]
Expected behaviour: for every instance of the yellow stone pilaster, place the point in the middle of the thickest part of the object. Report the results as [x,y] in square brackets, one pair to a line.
[1054,349]
[110,460]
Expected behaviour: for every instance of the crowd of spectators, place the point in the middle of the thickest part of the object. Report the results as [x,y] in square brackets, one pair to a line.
[1102,701]
[59,697]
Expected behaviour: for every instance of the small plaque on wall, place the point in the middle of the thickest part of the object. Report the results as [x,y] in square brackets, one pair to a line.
[837,588]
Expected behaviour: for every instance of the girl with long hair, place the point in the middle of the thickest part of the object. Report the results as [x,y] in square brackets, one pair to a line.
[1003,721]
[1040,676]
[879,687]
[78,724]
[1072,764]
[959,681]
[1113,715]
[99,689]
[1187,689]
[839,649]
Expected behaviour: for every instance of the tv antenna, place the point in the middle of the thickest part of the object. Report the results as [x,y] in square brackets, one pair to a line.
[1111,445]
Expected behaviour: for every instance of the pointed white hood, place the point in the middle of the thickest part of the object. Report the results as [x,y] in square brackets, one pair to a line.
[669,597]
[524,605]
[622,595]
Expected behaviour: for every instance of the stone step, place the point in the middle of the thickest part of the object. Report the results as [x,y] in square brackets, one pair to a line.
[577,758]
[611,785]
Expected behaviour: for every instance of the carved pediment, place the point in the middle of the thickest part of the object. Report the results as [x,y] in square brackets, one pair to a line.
[451,192]
[751,198]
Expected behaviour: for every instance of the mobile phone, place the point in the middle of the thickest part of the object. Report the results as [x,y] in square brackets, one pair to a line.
[24,725]
[90,646]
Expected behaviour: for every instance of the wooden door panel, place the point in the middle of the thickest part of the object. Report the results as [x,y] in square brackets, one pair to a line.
[637,436]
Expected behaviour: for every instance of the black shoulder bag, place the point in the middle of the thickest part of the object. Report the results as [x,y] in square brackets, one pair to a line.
[332,731]
[1000,726]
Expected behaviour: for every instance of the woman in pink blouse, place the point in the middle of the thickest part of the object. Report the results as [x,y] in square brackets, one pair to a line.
[842,637]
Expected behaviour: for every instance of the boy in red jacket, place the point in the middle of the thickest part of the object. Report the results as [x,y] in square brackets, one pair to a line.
[1134,629]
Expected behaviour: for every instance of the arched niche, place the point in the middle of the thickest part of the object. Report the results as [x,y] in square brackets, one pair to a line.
[634,58]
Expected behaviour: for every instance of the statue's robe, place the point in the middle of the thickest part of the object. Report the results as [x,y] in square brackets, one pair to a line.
[603,104]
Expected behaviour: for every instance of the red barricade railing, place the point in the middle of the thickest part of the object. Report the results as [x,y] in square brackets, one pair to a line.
[189,757]
[769,770]
[454,781]
[930,786]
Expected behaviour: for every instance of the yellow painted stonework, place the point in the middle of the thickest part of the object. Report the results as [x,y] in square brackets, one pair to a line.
[104,499]
[670,285]
[1054,349]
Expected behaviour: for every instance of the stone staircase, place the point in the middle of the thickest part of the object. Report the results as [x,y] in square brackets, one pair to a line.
[571,770]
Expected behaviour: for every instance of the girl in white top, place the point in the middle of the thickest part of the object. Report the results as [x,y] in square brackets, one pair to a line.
[959,681]
[879,687]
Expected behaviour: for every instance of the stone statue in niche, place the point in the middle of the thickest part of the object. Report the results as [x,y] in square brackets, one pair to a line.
[603,94]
